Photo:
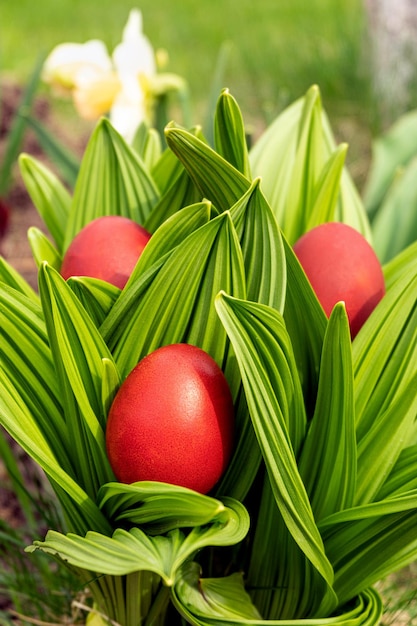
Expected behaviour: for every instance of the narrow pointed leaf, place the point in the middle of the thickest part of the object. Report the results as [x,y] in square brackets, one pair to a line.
[158,506]
[170,307]
[49,196]
[147,143]
[384,350]
[262,247]
[274,155]
[27,362]
[42,249]
[217,180]
[306,324]
[328,460]
[390,152]
[97,296]
[66,161]
[395,225]
[367,542]
[78,350]
[308,163]
[229,133]
[172,232]
[17,420]
[16,130]
[11,277]
[269,378]
[381,446]
[328,189]
[180,194]
[112,181]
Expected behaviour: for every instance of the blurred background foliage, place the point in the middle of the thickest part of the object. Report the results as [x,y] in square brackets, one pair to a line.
[275,49]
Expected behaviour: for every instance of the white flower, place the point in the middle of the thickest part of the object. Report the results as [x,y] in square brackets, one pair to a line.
[121,85]
[134,61]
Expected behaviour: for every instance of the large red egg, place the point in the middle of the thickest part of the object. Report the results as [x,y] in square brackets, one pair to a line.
[172,420]
[107,248]
[342,266]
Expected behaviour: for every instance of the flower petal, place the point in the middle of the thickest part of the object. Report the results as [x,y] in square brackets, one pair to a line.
[66,60]
[127,113]
[135,54]
[95,93]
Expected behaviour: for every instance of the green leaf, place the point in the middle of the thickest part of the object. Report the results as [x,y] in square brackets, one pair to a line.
[217,180]
[366,543]
[18,421]
[350,208]
[395,225]
[403,476]
[172,232]
[390,152]
[306,323]
[21,493]
[384,350]
[224,602]
[49,196]
[147,143]
[169,305]
[265,269]
[168,168]
[130,551]
[11,277]
[112,181]
[262,247]
[273,392]
[159,507]
[42,249]
[381,446]
[324,204]
[97,296]
[328,460]
[291,157]
[181,193]
[27,362]
[212,598]
[78,351]
[65,160]
[18,126]
[229,133]
[308,163]
[400,265]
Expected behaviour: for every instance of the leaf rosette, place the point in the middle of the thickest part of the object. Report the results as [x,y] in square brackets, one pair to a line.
[319,499]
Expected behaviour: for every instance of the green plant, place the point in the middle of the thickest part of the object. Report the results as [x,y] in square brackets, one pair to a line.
[34,588]
[390,195]
[319,500]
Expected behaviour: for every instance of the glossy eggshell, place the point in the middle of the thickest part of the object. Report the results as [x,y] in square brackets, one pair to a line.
[342,266]
[172,420]
[107,248]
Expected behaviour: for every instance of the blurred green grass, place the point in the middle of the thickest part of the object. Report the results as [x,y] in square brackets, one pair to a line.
[277,48]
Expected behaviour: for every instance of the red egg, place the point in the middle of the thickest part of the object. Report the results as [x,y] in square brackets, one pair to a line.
[172,420]
[342,266]
[107,248]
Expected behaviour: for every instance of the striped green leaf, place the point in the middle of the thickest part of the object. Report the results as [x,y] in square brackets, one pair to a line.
[131,551]
[112,181]
[48,194]
[328,459]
